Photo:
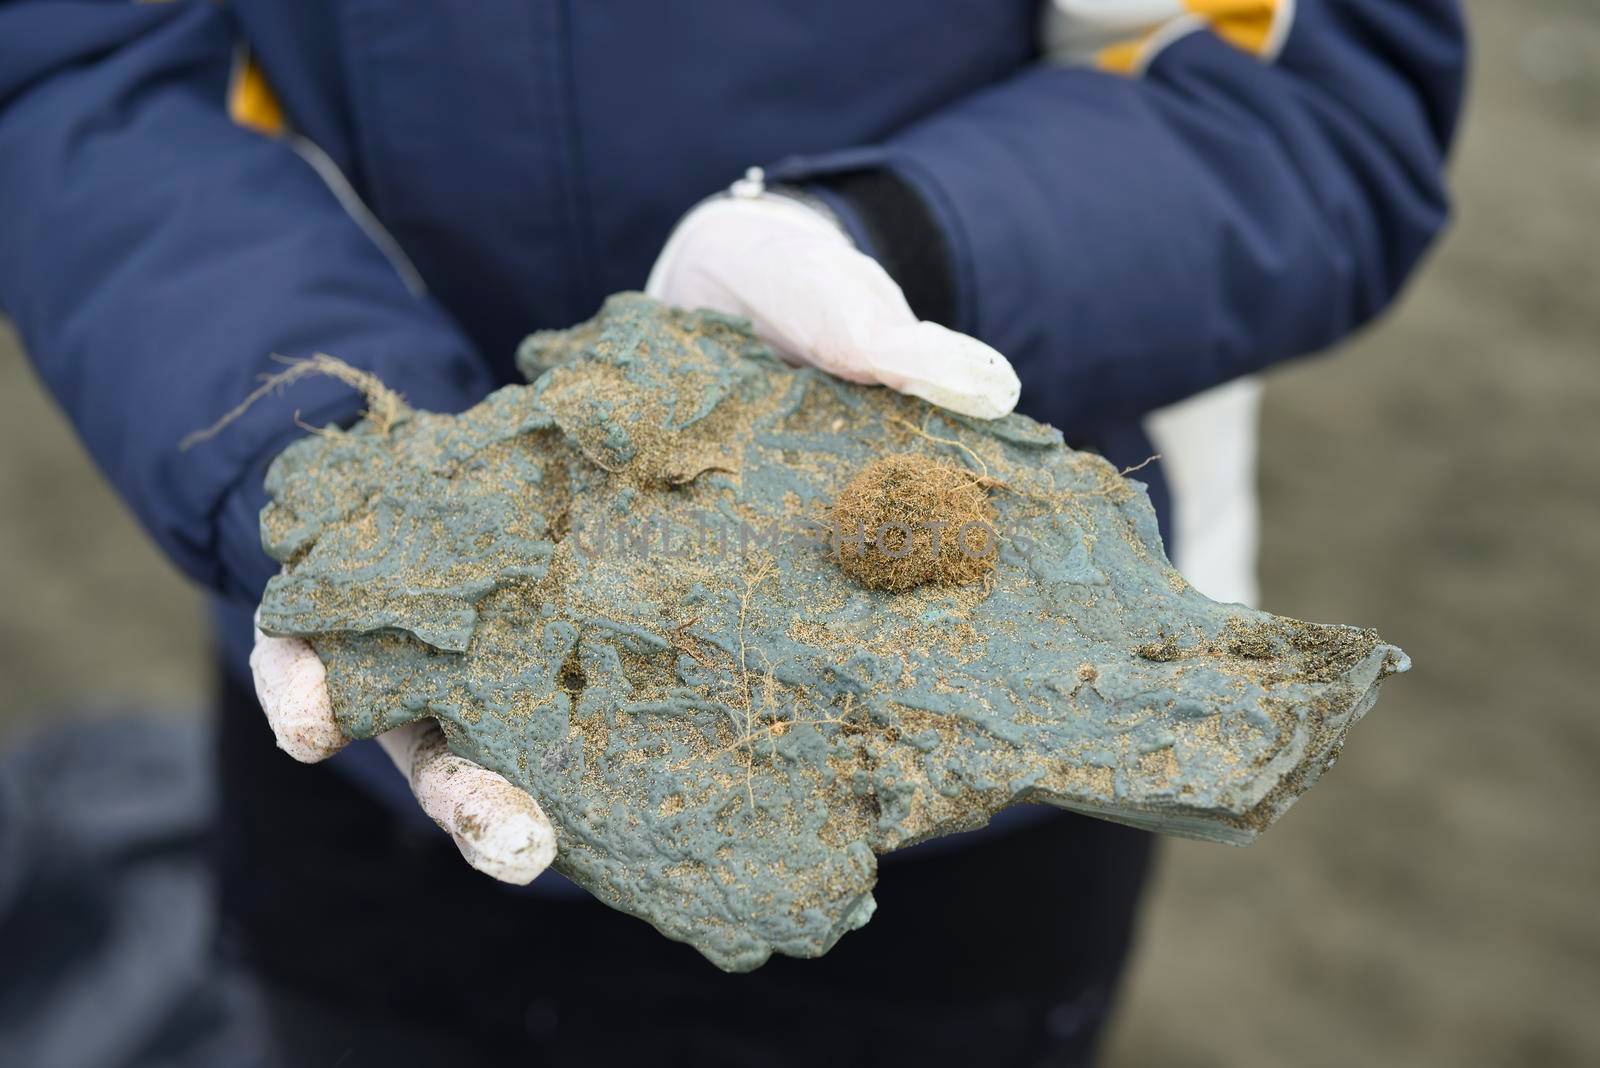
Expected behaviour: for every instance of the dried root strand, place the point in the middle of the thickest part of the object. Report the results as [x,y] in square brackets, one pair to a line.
[922,432]
[385,407]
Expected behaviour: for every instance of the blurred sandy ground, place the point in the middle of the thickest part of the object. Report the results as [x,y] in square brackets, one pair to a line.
[1436,900]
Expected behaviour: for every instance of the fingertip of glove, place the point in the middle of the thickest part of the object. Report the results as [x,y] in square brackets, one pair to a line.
[1002,400]
[308,746]
[510,846]
[949,369]
[291,689]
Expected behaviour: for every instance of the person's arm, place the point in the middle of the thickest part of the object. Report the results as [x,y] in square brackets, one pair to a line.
[154,255]
[1201,198]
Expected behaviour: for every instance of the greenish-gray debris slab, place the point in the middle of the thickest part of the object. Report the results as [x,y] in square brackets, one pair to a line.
[614,586]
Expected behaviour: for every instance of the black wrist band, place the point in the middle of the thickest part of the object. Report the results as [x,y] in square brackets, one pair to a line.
[905,239]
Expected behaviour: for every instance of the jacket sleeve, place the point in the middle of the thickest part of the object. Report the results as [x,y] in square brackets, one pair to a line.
[1189,198]
[154,255]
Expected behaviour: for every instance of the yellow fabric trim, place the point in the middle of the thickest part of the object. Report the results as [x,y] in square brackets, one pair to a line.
[1221,9]
[1122,57]
[251,102]
[1249,33]
[1246,24]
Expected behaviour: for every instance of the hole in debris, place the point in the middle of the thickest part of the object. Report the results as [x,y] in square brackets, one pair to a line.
[571,677]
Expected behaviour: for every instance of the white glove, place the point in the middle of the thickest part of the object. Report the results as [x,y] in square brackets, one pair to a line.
[499,829]
[817,300]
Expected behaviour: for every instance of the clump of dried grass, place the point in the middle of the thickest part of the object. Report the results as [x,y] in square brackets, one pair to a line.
[906,520]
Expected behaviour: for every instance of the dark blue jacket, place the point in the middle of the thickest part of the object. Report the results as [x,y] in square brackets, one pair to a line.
[1128,237]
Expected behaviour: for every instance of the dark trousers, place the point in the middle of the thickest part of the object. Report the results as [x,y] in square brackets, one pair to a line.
[378,945]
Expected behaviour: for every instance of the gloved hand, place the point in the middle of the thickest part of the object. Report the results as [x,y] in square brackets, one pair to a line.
[816,300]
[499,829]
